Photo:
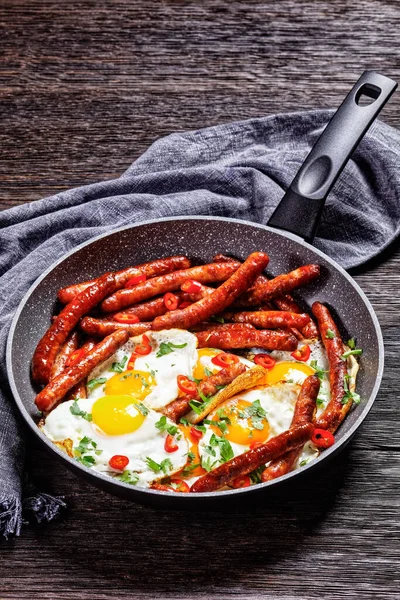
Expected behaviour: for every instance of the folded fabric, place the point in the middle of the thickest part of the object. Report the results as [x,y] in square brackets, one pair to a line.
[237,170]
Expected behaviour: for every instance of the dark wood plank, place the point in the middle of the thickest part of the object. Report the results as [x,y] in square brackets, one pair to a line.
[85,88]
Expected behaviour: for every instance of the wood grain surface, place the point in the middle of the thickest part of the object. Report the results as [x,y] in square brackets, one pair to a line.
[85,87]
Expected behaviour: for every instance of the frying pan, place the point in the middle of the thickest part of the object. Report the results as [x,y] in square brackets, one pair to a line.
[294,221]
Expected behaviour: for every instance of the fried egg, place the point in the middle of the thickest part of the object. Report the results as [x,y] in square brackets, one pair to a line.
[95,430]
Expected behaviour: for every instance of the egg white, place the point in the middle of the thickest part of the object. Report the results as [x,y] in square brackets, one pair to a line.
[146,441]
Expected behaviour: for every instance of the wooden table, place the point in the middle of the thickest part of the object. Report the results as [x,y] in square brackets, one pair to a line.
[86,86]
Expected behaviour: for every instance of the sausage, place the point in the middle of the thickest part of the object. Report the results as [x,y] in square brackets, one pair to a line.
[208,387]
[225,340]
[147,311]
[58,387]
[219,299]
[252,459]
[335,411]
[79,390]
[65,352]
[304,412]
[167,283]
[269,319]
[223,327]
[150,269]
[103,327]
[287,303]
[278,286]
[50,344]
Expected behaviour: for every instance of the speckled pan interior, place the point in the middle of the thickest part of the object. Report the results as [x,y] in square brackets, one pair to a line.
[199,238]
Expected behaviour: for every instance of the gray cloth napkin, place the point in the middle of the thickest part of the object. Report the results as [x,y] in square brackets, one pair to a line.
[236,170]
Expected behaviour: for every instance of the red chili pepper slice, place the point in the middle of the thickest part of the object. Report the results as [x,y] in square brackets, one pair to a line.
[241,481]
[144,348]
[180,485]
[191,286]
[119,462]
[322,438]
[302,353]
[135,280]
[224,359]
[125,317]
[195,434]
[186,386]
[171,301]
[184,304]
[75,357]
[170,444]
[264,360]
[131,361]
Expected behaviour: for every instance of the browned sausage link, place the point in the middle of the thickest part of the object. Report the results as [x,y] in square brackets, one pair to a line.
[335,411]
[224,327]
[79,390]
[167,283]
[222,297]
[57,389]
[50,344]
[225,340]
[269,319]
[208,387]
[147,311]
[223,258]
[304,412]
[103,327]
[65,352]
[287,303]
[252,459]
[279,286]
[151,269]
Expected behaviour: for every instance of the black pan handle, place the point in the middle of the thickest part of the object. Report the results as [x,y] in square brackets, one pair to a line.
[301,207]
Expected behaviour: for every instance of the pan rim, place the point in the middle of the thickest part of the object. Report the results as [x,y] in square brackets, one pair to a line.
[147,492]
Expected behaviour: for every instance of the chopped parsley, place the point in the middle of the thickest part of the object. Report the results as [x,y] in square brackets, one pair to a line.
[255,475]
[207,463]
[224,445]
[77,412]
[95,382]
[207,372]
[167,348]
[255,413]
[222,423]
[200,428]
[351,343]
[184,421]
[84,452]
[118,367]
[217,319]
[349,395]
[303,463]
[320,402]
[128,477]
[354,352]
[162,425]
[319,372]
[330,335]
[164,466]
[142,409]
[198,406]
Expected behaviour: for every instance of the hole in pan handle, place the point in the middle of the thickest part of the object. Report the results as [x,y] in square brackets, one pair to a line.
[301,207]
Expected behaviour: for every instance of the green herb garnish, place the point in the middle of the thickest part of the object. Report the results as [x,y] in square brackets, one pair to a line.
[162,425]
[142,409]
[348,394]
[330,334]
[95,382]
[319,372]
[164,466]
[351,343]
[167,348]
[77,412]
[355,352]
[128,477]
[255,413]
[118,367]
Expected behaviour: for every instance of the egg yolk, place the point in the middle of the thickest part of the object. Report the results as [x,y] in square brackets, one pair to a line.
[117,415]
[199,372]
[242,423]
[187,471]
[284,371]
[134,383]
